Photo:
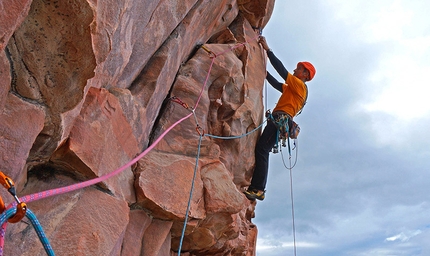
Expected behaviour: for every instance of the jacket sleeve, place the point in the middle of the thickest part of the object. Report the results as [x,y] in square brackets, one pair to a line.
[277,65]
[275,83]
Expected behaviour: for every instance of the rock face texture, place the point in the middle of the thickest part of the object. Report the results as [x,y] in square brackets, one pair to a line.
[88,86]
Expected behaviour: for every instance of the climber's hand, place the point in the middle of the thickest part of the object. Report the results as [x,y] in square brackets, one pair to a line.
[262,41]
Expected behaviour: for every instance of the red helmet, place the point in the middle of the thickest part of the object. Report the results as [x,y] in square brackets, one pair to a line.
[309,67]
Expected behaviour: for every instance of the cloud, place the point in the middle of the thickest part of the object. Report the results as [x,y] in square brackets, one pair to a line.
[403,236]
[267,247]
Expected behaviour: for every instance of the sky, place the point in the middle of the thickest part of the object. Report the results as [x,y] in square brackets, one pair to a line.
[361,185]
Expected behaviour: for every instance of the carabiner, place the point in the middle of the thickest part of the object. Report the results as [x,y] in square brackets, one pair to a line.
[180,102]
[200,130]
[2,206]
[21,209]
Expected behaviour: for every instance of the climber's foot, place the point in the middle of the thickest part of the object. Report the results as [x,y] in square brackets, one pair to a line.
[253,194]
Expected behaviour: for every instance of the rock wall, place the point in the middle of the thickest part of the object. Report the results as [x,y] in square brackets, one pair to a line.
[86,86]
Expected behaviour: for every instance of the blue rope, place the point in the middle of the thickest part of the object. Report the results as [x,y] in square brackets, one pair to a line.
[40,233]
[191,195]
[36,224]
[6,215]
[195,172]
[236,137]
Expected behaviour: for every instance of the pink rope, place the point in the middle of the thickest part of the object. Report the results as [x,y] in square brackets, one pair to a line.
[206,80]
[62,190]
[73,187]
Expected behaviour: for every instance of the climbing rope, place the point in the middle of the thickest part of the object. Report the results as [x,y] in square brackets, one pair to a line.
[296,148]
[5,216]
[290,168]
[238,136]
[15,214]
[190,197]
[292,209]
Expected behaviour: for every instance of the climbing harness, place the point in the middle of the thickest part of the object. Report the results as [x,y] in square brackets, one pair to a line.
[286,129]
[14,215]
[281,122]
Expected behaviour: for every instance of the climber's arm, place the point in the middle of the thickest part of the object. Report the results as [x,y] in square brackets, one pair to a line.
[277,65]
[275,83]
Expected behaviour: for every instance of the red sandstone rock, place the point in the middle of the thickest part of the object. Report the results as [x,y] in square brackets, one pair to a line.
[52,58]
[156,240]
[257,12]
[5,79]
[138,224]
[221,194]
[149,88]
[93,79]
[20,123]
[12,13]
[145,25]
[169,199]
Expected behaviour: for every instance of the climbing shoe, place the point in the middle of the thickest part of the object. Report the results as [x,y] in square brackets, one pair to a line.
[253,194]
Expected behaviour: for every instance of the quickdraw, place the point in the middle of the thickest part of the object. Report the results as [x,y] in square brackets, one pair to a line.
[180,102]
[200,130]
[211,53]
[21,207]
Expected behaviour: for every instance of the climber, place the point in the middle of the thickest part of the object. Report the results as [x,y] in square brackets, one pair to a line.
[294,93]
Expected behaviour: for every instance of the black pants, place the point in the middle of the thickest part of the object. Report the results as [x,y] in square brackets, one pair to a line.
[264,145]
